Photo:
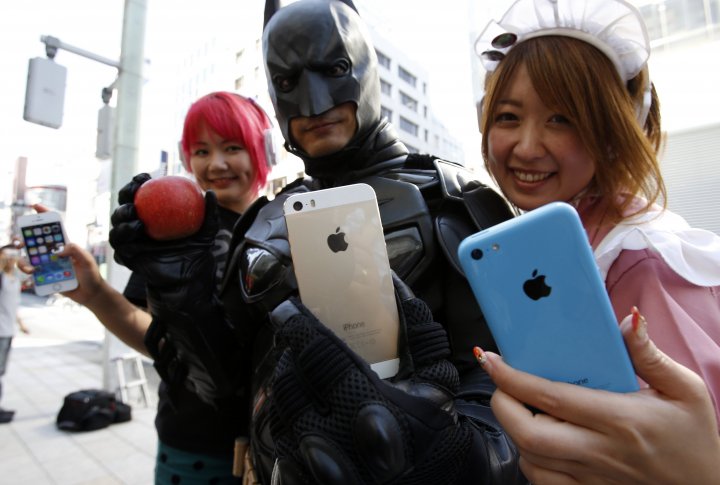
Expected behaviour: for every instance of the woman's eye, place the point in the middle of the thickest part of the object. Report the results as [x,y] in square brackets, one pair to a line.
[500,117]
[200,152]
[559,119]
[235,148]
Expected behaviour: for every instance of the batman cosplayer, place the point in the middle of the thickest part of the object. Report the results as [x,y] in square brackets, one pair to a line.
[317,422]
[318,414]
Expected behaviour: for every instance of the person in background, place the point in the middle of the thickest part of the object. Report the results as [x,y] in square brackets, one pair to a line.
[570,114]
[10,290]
[223,147]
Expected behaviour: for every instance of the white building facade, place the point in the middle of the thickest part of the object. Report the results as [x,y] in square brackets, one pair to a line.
[685,67]
[405,103]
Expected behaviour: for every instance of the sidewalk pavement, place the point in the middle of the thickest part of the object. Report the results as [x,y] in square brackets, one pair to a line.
[63,353]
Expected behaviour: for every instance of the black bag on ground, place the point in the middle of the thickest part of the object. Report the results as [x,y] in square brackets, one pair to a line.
[91,409]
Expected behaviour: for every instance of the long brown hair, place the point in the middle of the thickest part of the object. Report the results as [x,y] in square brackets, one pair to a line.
[579,81]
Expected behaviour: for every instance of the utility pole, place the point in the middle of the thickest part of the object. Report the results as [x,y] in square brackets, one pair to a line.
[125,149]
[126,137]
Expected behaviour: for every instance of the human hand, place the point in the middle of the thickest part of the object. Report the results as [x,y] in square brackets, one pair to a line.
[127,236]
[163,263]
[666,433]
[90,282]
[16,243]
[333,420]
[23,264]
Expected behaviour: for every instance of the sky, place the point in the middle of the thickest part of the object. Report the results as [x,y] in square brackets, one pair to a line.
[93,26]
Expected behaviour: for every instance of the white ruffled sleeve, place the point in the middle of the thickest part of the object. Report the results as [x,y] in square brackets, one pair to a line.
[692,253]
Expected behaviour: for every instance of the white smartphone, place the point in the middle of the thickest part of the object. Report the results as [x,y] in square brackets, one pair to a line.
[343,272]
[44,237]
[545,303]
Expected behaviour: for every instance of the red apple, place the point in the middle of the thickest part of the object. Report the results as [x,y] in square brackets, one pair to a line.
[170,207]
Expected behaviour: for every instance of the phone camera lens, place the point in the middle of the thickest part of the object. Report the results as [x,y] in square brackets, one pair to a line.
[476,253]
[298,206]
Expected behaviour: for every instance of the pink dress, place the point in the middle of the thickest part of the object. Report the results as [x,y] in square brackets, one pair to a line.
[671,272]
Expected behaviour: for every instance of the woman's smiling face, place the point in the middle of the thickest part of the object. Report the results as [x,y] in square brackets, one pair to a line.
[535,154]
[225,167]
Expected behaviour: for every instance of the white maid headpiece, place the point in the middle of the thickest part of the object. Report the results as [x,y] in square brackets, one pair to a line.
[615,27]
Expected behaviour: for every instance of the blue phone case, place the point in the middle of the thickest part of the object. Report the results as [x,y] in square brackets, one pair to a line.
[539,288]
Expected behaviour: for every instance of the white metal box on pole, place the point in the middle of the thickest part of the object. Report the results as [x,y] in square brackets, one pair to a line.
[105,131]
[45,92]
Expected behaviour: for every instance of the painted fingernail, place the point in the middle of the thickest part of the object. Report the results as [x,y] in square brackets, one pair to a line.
[639,324]
[480,355]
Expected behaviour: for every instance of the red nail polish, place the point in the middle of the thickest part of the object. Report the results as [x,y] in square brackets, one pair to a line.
[639,324]
[635,318]
[480,355]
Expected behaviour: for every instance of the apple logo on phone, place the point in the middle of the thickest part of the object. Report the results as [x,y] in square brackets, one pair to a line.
[336,242]
[536,287]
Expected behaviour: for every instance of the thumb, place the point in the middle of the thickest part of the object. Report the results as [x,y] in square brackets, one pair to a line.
[40,208]
[25,266]
[657,369]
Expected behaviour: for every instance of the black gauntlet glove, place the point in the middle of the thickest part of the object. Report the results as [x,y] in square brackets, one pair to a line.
[173,264]
[332,420]
[189,338]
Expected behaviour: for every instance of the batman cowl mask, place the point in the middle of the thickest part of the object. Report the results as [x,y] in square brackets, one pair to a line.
[317,56]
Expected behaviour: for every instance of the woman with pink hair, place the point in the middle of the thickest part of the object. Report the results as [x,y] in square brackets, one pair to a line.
[224,146]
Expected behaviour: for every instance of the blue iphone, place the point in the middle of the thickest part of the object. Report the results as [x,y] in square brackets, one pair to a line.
[539,288]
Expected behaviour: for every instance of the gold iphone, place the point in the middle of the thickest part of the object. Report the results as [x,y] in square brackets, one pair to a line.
[343,272]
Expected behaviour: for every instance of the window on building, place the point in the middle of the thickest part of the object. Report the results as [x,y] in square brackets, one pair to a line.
[385,87]
[383,60]
[407,76]
[386,113]
[424,111]
[426,136]
[277,184]
[239,83]
[239,56]
[408,101]
[408,126]
[680,19]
